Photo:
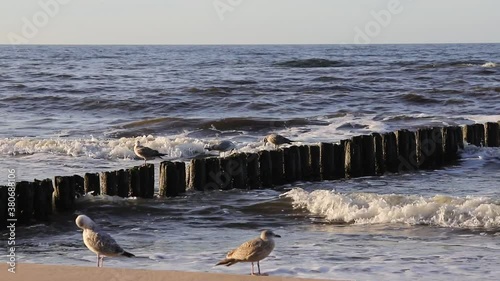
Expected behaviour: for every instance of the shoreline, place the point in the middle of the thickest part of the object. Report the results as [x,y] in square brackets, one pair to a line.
[44,272]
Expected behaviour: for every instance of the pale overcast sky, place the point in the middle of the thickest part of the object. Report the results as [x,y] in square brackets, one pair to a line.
[248,21]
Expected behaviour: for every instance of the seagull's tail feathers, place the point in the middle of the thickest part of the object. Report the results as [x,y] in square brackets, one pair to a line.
[127,254]
[227,262]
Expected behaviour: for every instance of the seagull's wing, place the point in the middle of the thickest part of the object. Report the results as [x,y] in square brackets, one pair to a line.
[102,243]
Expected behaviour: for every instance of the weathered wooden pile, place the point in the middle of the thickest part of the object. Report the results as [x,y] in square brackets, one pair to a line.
[367,155]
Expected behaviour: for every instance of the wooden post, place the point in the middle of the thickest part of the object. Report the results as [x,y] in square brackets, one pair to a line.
[315,163]
[228,165]
[459,134]
[492,134]
[181,173]
[339,160]
[25,194]
[450,144]
[368,156]
[91,184]
[277,167]
[79,185]
[265,166]
[326,160]
[169,179]
[134,189]
[474,134]
[390,152]
[43,199]
[424,148]
[108,183]
[353,165]
[240,171]
[64,194]
[253,170]
[292,167]
[213,173]
[378,145]
[305,163]
[122,182]
[147,180]
[197,174]
[438,154]
[407,150]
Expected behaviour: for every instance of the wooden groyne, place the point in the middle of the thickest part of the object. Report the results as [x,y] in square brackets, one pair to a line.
[366,155]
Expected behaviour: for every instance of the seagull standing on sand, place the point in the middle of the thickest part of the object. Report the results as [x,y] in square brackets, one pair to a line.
[146,153]
[277,140]
[252,251]
[98,241]
[221,146]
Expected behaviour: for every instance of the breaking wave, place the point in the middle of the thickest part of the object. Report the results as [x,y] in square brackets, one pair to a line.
[371,208]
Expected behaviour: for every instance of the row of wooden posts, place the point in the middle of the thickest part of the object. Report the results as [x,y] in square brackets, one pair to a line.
[367,155]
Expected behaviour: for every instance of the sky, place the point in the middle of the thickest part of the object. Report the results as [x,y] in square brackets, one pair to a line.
[248,21]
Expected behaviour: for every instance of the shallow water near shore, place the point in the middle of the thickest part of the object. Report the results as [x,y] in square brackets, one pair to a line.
[75,109]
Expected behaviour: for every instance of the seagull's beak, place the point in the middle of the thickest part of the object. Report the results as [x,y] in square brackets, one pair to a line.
[276,235]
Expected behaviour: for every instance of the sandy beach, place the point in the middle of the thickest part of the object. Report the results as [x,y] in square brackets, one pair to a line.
[39,272]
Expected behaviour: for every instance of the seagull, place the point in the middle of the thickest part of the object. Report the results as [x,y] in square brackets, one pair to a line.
[252,251]
[98,241]
[146,153]
[221,146]
[276,139]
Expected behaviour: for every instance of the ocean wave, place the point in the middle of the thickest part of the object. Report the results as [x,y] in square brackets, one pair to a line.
[418,99]
[97,148]
[489,65]
[310,63]
[451,64]
[165,124]
[371,208]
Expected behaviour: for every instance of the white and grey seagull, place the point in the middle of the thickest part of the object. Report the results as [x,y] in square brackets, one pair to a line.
[145,152]
[221,146]
[277,140]
[252,251]
[99,241]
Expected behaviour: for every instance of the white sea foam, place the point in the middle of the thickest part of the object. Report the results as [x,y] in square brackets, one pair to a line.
[100,148]
[489,65]
[371,208]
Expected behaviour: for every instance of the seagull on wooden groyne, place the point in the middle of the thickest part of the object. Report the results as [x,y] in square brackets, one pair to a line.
[98,241]
[221,146]
[252,251]
[146,153]
[277,140]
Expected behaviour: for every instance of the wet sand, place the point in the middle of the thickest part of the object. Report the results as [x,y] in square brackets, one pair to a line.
[39,272]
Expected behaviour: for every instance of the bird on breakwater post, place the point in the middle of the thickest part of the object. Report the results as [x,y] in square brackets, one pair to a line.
[146,153]
[221,147]
[277,140]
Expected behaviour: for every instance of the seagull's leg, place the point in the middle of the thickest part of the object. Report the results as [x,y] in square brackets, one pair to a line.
[102,261]
[258,267]
[252,273]
[98,258]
